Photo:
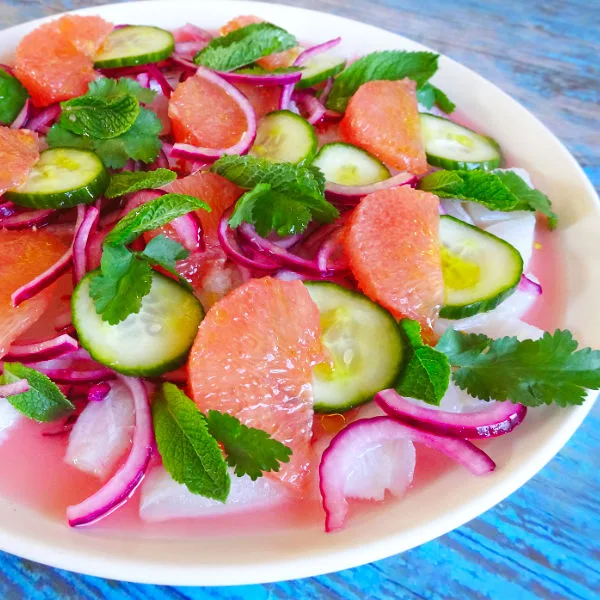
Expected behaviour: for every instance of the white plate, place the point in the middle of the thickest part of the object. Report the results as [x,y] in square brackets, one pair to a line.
[421,516]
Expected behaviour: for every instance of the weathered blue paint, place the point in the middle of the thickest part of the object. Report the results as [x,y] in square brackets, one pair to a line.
[544,541]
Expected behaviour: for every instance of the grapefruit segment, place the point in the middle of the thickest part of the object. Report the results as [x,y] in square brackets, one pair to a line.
[392,244]
[18,153]
[383,118]
[55,61]
[23,256]
[253,358]
[264,99]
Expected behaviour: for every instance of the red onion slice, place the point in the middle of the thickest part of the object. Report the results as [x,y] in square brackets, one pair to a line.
[530,284]
[12,389]
[124,482]
[286,96]
[155,73]
[339,460]
[189,231]
[44,118]
[42,350]
[316,50]
[497,419]
[190,32]
[88,227]
[262,79]
[98,391]
[311,106]
[200,154]
[22,118]
[184,62]
[25,219]
[352,194]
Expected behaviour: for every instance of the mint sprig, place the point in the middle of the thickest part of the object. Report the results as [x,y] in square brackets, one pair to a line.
[12,97]
[283,197]
[127,182]
[428,95]
[426,372]
[551,370]
[244,46]
[43,401]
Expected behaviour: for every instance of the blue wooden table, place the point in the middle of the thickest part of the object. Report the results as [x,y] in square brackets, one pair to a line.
[544,541]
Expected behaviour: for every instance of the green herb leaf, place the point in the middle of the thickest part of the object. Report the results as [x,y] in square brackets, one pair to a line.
[189,452]
[12,97]
[43,401]
[164,252]
[117,291]
[545,371]
[152,215]
[529,198]
[250,451]
[428,95]
[283,197]
[127,182]
[107,87]
[243,46]
[426,372]
[387,65]
[99,117]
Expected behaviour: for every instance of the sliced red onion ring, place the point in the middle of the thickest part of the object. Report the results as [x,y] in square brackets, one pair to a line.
[189,49]
[201,154]
[12,389]
[313,51]
[143,79]
[75,375]
[184,62]
[119,488]
[192,33]
[285,275]
[352,194]
[311,106]
[189,231]
[155,73]
[497,419]
[530,284]
[286,258]
[25,219]
[98,391]
[327,249]
[22,118]
[338,461]
[88,227]
[42,350]
[44,118]
[286,96]
[263,79]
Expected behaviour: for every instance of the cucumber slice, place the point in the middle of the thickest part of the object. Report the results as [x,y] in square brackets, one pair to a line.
[284,136]
[480,270]
[318,69]
[346,164]
[62,177]
[149,343]
[451,146]
[12,97]
[135,45]
[365,344]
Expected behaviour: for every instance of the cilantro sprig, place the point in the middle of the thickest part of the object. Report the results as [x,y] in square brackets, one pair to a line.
[109,120]
[125,277]
[282,197]
[497,190]
[188,442]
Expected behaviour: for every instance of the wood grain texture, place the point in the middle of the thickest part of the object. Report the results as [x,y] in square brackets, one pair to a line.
[543,542]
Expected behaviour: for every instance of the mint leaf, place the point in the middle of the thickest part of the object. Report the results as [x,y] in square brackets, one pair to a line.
[107,87]
[189,452]
[152,215]
[243,46]
[283,198]
[43,401]
[426,372]
[529,198]
[99,117]
[250,451]
[127,182]
[387,65]
[12,97]
[123,281]
[428,95]
[545,371]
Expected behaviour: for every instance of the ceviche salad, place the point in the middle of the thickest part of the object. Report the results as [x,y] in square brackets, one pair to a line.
[239,271]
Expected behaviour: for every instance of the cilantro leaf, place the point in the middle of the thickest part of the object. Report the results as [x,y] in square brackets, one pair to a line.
[99,117]
[152,215]
[164,252]
[283,197]
[127,182]
[243,46]
[110,88]
[426,372]
[429,94]
[545,371]
[189,452]
[529,198]
[387,65]
[43,401]
[250,451]
[12,97]
[123,281]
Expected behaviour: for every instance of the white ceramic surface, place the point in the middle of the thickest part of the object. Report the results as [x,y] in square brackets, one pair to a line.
[421,516]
